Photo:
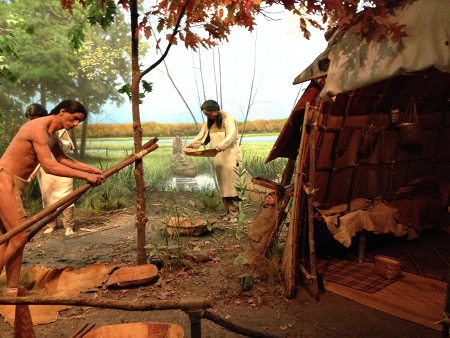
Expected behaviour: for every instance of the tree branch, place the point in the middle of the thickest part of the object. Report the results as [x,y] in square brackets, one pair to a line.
[163,56]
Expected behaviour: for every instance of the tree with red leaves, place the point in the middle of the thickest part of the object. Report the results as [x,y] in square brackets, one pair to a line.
[205,23]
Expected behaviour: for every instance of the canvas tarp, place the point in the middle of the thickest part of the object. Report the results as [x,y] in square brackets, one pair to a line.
[356,62]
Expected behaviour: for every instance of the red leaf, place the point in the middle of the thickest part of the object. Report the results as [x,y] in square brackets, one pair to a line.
[125,4]
[172,39]
[147,32]
[397,32]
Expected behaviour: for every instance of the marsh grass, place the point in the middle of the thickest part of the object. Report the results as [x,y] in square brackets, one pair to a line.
[119,190]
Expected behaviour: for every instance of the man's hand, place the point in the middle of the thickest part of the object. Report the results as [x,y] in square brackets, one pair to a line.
[95,179]
[96,171]
[219,149]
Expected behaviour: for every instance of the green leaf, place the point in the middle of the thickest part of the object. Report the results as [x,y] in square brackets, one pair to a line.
[209,226]
[152,252]
[148,86]
[239,235]
[240,260]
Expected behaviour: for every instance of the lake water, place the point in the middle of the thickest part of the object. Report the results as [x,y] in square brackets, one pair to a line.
[129,143]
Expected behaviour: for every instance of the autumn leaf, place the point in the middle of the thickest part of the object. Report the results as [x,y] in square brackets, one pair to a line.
[172,39]
[148,32]
[397,32]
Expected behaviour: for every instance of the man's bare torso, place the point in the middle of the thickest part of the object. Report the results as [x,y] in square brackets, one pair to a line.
[20,157]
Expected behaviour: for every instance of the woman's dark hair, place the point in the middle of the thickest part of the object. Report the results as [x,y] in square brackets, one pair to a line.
[210,105]
[218,121]
[35,110]
[71,106]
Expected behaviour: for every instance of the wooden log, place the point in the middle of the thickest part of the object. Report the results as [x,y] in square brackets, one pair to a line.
[73,196]
[193,303]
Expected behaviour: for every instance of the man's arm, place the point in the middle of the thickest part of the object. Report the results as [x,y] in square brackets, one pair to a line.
[43,154]
[68,161]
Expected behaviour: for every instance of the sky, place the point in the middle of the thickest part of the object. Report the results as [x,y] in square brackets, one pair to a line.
[275,50]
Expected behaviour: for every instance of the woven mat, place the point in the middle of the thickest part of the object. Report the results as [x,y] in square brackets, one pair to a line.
[352,274]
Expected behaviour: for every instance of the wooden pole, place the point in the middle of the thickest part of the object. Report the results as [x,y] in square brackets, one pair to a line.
[313,285]
[73,196]
[193,303]
[290,250]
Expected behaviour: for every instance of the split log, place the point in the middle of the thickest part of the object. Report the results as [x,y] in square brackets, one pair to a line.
[72,197]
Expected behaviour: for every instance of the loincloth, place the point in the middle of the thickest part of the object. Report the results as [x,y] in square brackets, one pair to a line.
[19,187]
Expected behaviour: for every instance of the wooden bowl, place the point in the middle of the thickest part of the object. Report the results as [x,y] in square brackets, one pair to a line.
[138,330]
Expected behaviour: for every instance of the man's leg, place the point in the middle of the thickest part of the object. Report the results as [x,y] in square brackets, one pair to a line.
[11,253]
[231,208]
[67,218]
[50,227]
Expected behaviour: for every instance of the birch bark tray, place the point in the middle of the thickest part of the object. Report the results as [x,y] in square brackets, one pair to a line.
[132,275]
[185,226]
[200,153]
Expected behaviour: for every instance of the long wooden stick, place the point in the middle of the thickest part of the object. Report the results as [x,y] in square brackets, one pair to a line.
[35,228]
[149,147]
[192,303]
[290,249]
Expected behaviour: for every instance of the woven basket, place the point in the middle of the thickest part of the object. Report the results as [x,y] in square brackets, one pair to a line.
[387,267]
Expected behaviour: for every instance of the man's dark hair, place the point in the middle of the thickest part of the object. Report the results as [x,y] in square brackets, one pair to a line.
[71,106]
[35,110]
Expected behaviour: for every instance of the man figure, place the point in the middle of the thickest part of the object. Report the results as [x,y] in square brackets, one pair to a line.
[33,144]
[53,188]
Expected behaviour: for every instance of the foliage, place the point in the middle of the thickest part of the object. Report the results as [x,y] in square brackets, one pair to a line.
[35,65]
[9,24]
[209,198]
[256,166]
[242,200]
[207,22]
[171,254]
[151,129]
[115,193]
[126,89]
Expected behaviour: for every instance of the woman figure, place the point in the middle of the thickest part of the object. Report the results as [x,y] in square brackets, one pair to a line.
[221,130]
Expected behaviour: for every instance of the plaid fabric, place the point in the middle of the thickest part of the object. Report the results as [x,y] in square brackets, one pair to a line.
[353,275]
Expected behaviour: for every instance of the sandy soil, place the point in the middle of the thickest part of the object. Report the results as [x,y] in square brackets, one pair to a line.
[110,239]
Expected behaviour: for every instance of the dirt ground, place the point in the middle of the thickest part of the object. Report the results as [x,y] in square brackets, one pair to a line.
[110,239]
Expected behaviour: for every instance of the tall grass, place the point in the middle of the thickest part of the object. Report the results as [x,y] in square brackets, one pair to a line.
[119,189]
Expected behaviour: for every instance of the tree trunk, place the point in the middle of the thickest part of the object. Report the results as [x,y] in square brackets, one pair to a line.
[43,94]
[73,136]
[141,216]
[84,130]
